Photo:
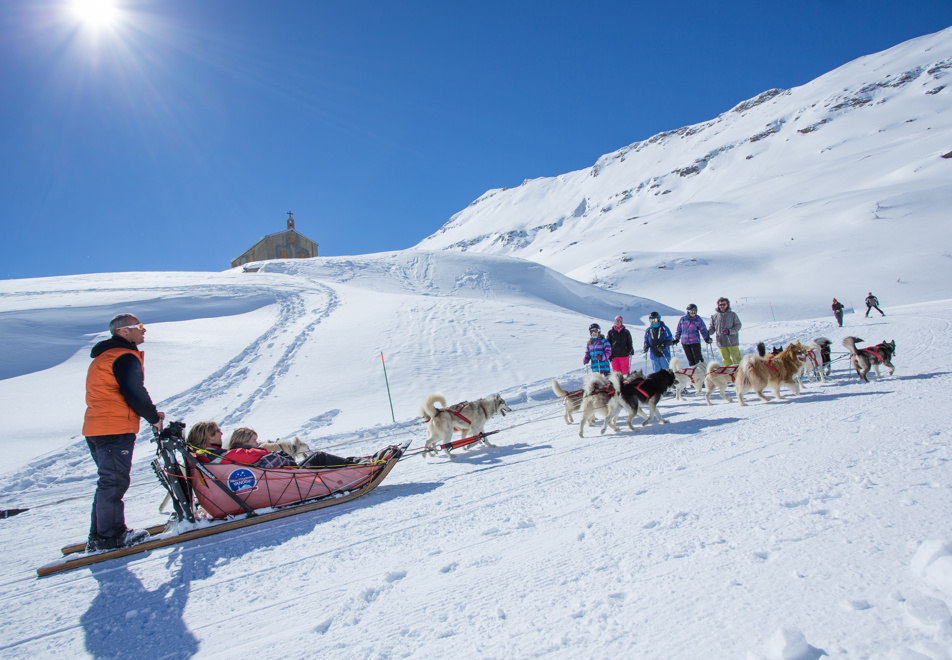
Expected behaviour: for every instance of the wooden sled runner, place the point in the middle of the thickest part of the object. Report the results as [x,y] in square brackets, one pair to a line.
[234,492]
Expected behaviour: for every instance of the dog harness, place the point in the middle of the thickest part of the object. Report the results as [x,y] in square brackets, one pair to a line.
[638,387]
[689,372]
[460,406]
[730,371]
[456,411]
[874,351]
[811,355]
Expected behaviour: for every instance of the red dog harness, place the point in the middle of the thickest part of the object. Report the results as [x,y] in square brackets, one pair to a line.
[811,354]
[730,370]
[689,372]
[460,406]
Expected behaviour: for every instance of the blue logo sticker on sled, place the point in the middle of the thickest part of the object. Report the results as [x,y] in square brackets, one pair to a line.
[242,480]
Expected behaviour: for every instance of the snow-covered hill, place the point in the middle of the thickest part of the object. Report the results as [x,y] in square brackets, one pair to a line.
[782,530]
[857,162]
[289,344]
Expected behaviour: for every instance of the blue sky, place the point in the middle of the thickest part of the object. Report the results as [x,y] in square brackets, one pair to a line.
[177,137]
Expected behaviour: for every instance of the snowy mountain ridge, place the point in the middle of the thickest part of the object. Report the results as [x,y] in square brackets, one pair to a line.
[845,157]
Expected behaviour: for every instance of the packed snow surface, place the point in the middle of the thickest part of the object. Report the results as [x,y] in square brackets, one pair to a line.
[817,524]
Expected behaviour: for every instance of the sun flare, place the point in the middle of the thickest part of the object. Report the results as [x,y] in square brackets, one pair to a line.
[96,13]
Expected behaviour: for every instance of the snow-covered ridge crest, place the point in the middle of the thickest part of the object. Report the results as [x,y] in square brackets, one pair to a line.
[474,276]
[784,175]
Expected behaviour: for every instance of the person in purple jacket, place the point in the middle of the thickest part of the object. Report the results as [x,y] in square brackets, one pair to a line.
[598,351]
[692,327]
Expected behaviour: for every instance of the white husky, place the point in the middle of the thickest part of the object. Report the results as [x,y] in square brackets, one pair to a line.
[468,417]
[693,376]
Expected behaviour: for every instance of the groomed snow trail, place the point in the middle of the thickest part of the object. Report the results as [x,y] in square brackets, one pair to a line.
[783,527]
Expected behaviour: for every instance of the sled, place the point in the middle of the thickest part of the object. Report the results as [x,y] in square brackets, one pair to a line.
[232,496]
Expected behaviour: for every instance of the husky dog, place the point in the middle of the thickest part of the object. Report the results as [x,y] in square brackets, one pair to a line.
[762,349]
[596,397]
[296,448]
[816,360]
[756,373]
[719,378]
[632,394]
[825,354]
[693,376]
[864,358]
[571,401]
[468,417]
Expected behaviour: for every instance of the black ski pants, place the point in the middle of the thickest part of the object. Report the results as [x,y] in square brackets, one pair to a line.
[320,459]
[838,315]
[693,353]
[113,457]
[870,308]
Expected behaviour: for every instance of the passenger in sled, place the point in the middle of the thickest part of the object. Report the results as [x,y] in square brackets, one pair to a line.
[205,439]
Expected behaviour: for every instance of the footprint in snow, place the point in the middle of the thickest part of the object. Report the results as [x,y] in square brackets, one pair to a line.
[394,576]
[793,504]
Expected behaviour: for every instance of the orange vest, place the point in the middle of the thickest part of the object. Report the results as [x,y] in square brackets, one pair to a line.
[107,412]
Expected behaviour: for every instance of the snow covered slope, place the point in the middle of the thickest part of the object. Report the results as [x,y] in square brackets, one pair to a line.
[777,531]
[858,161]
[286,347]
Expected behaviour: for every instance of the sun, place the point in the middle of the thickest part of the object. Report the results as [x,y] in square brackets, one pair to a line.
[96,13]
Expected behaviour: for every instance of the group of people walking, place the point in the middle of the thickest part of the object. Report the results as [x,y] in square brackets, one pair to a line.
[614,352]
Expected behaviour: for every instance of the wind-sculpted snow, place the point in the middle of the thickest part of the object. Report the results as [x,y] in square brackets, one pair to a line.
[470,276]
[44,337]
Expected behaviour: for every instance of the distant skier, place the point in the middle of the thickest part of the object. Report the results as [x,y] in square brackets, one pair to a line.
[622,346]
[598,351]
[657,340]
[838,312]
[872,303]
[692,327]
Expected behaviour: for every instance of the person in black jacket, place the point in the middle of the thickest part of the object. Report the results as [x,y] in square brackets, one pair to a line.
[872,302]
[838,312]
[622,346]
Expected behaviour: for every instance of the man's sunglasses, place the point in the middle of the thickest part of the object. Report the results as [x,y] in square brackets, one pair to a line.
[139,326]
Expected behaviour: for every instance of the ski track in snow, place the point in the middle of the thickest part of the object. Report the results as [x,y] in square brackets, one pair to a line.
[729,531]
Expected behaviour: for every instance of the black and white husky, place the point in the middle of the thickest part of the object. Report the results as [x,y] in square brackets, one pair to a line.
[634,394]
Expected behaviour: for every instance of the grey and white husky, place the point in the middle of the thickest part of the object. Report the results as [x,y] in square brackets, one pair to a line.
[468,417]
